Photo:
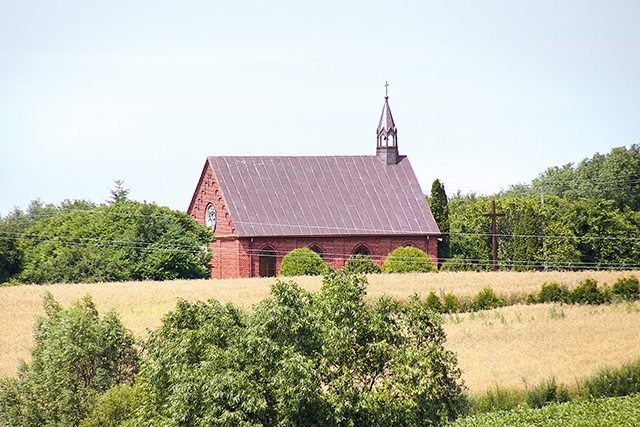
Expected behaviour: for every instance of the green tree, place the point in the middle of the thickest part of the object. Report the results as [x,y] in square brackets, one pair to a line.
[118,193]
[439,205]
[77,356]
[300,359]
[527,239]
[302,262]
[124,241]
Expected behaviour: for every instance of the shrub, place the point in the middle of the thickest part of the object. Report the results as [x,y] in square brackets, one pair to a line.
[451,303]
[407,259]
[612,382]
[114,408]
[360,264]
[500,399]
[587,293]
[77,356]
[487,300]
[302,262]
[547,392]
[553,292]
[434,303]
[627,288]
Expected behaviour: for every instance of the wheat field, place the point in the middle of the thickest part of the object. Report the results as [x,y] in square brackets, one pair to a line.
[514,346]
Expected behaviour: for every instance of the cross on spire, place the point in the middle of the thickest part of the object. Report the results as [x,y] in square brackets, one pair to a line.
[386,90]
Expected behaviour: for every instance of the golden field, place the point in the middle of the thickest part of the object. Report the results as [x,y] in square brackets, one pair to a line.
[513,346]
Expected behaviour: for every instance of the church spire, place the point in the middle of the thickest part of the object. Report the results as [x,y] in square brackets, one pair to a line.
[387,134]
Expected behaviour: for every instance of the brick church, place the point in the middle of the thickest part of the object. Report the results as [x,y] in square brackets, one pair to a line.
[262,207]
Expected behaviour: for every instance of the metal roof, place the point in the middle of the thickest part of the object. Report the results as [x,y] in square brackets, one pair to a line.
[322,196]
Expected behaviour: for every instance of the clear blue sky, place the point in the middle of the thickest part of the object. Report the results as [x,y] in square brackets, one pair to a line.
[485,94]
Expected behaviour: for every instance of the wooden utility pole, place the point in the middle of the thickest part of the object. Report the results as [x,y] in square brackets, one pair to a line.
[494,238]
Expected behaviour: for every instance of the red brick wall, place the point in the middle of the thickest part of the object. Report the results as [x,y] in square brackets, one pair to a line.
[336,250]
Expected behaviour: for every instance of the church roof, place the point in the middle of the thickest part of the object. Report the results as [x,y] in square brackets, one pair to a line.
[322,196]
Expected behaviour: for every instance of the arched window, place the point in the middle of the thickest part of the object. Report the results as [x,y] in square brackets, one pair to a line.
[316,249]
[362,250]
[267,262]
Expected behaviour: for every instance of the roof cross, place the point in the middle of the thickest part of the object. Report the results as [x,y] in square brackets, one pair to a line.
[386,89]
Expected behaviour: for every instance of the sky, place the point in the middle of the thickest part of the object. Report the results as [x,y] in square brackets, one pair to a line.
[485,94]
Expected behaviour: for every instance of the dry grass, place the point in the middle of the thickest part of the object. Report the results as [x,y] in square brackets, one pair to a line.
[489,351]
[520,346]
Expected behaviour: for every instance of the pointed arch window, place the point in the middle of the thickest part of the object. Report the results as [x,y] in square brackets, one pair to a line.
[362,250]
[267,262]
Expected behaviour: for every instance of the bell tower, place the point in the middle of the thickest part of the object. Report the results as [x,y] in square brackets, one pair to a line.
[387,134]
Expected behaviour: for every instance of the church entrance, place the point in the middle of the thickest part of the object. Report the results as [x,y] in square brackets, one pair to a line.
[267,262]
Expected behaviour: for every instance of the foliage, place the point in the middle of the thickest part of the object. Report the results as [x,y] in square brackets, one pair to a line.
[611,382]
[547,392]
[493,400]
[77,355]
[451,303]
[433,303]
[439,205]
[12,228]
[553,292]
[487,300]
[118,192]
[527,246]
[124,241]
[300,359]
[302,262]
[611,412]
[114,408]
[407,259]
[627,288]
[587,293]
[360,264]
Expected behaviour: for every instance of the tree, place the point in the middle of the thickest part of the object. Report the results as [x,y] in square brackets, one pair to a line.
[300,359]
[439,205]
[118,192]
[302,262]
[406,259]
[527,238]
[123,241]
[77,356]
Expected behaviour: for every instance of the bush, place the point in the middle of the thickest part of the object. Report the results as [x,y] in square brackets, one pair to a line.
[114,408]
[434,303]
[303,262]
[408,259]
[553,292]
[360,264]
[500,399]
[627,288]
[77,356]
[451,303]
[487,300]
[612,382]
[587,293]
[300,359]
[547,392]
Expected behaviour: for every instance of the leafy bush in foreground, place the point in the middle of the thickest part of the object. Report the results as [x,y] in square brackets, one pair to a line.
[302,262]
[408,259]
[611,382]
[301,359]
[77,356]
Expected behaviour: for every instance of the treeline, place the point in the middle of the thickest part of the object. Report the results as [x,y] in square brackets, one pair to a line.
[80,241]
[584,216]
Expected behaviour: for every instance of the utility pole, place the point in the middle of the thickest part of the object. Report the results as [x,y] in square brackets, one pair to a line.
[494,238]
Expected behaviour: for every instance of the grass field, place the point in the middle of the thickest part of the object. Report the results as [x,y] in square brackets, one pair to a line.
[513,346]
